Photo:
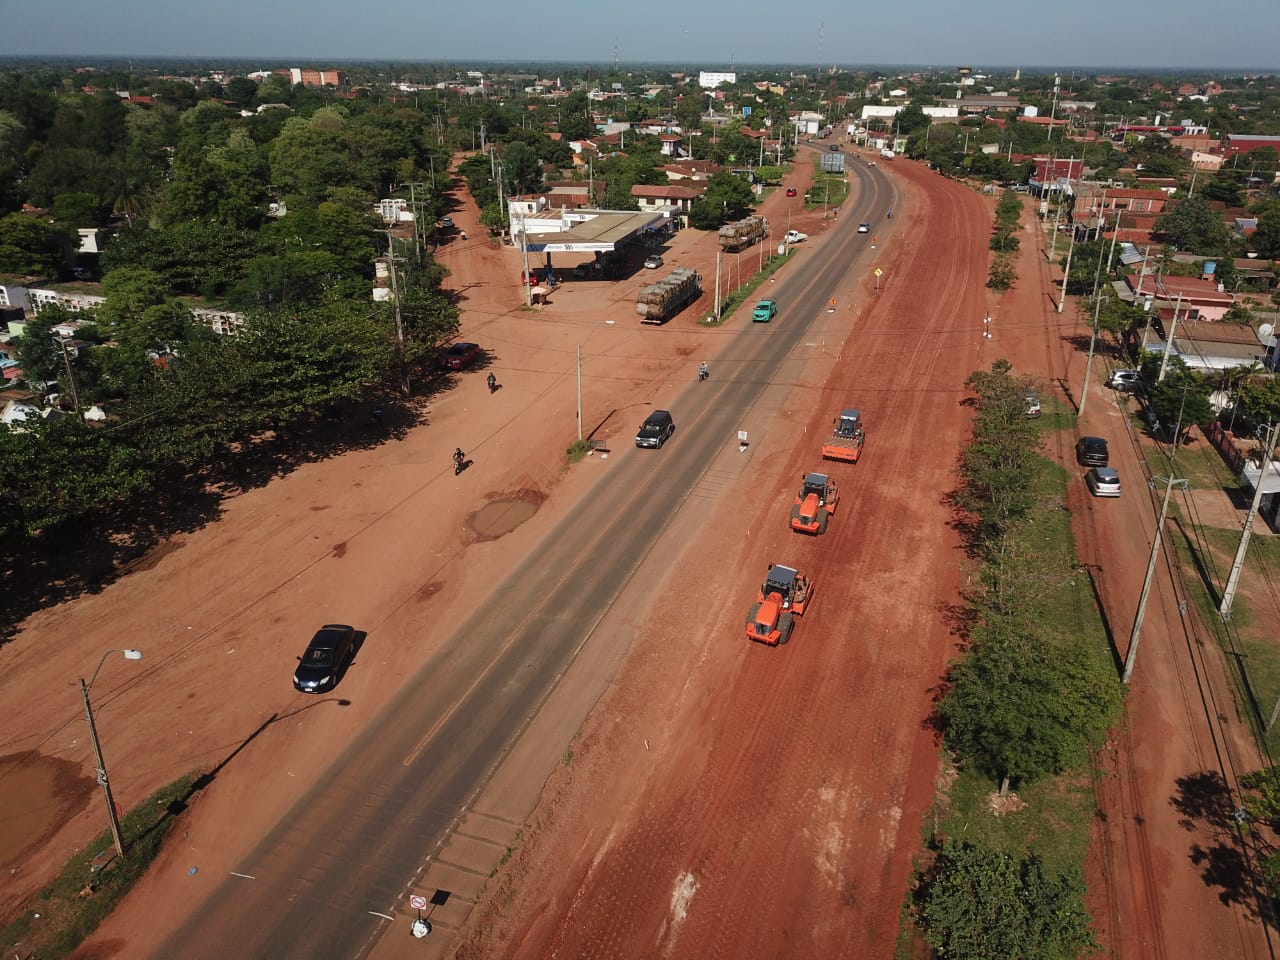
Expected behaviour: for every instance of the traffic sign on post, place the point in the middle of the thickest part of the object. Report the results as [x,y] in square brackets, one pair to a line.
[418,902]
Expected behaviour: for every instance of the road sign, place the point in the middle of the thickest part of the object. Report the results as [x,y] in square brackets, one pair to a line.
[879,272]
[418,902]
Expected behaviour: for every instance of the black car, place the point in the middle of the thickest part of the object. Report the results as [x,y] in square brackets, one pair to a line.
[656,429]
[326,656]
[1091,452]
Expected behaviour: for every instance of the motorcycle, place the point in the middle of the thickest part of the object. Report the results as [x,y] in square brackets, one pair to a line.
[703,373]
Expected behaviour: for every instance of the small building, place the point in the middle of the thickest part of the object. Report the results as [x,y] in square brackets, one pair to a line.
[671,198]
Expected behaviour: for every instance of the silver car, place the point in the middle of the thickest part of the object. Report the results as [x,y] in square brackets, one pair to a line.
[1103,481]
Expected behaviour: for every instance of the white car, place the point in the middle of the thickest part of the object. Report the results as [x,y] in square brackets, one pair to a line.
[795,236]
[1103,482]
[864,228]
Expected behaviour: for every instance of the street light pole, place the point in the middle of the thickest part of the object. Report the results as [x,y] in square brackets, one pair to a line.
[1233,578]
[101,765]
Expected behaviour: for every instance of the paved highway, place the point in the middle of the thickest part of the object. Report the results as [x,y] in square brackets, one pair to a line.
[348,848]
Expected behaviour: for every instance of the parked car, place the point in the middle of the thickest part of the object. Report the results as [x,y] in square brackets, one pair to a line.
[791,191]
[834,148]
[864,228]
[1091,452]
[652,262]
[446,222]
[795,236]
[460,355]
[1033,405]
[325,658]
[765,311]
[1103,482]
[656,429]
[1126,381]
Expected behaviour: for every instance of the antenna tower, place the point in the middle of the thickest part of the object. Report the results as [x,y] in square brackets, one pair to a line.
[822,26]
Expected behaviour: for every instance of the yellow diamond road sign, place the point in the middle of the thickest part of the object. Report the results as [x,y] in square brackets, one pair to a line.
[879,272]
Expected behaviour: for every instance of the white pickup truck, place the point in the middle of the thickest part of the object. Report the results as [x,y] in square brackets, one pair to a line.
[795,236]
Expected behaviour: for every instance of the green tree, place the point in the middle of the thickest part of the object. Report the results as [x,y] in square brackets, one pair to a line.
[726,198]
[979,904]
[1194,225]
[1181,397]
[521,168]
[1266,239]
[41,358]
[29,246]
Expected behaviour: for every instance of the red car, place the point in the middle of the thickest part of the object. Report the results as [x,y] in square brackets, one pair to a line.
[791,191]
[460,355]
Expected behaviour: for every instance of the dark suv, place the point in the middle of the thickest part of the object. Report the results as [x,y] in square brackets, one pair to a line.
[1091,452]
[656,429]
[326,656]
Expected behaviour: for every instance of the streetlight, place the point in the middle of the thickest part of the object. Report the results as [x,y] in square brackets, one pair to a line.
[97,747]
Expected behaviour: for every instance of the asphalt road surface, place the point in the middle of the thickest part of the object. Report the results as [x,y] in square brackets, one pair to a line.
[347,850]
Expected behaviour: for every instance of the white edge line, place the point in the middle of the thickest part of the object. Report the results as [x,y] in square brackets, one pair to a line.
[243,875]
[375,913]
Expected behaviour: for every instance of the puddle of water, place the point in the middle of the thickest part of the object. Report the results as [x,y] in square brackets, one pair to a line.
[37,794]
[500,517]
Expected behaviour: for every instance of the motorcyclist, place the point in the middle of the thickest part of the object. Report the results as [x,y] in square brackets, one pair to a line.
[459,458]
[493,383]
[703,370]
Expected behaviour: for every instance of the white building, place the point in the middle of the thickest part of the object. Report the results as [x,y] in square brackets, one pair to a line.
[710,79]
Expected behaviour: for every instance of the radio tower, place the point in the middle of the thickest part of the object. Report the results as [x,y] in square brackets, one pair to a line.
[822,26]
[615,53]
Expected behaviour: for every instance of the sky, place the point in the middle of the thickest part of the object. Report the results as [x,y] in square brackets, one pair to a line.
[710,34]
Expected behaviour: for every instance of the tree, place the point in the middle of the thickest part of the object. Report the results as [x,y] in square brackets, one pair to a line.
[29,246]
[726,198]
[978,904]
[521,168]
[910,119]
[1182,397]
[1194,225]
[1266,239]
[41,359]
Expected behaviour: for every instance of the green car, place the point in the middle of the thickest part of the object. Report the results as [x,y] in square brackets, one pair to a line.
[765,311]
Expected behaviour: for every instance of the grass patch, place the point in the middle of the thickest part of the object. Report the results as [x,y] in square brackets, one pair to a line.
[578,449]
[1054,825]
[828,189]
[515,842]
[739,296]
[76,901]
[1253,659]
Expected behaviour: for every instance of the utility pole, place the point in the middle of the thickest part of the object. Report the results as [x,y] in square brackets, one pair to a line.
[1168,341]
[524,249]
[1233,579]
[395,300]
[1097,307]
[717,306]
[71,377]
[1066,273]
[579,392]
[1132,655]
[413,205]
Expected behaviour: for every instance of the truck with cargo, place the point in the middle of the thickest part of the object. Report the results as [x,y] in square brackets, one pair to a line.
[743,233]
[659,302]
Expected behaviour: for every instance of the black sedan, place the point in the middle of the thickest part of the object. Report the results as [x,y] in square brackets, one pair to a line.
[325,658]
[1091,452]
